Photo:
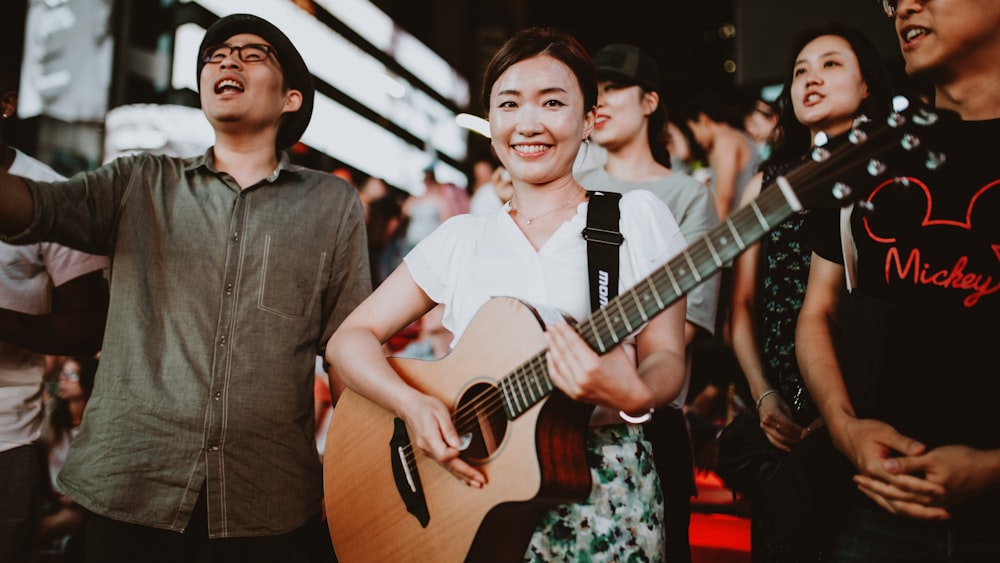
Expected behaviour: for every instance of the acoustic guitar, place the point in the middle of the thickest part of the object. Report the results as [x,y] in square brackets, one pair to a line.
[388,501]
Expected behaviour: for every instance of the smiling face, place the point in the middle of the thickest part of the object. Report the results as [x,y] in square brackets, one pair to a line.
[538,119]
[827,85]
[948,37]
[238,95]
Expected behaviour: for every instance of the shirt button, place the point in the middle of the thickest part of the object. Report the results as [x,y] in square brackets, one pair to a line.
[218,395]
[222,340]
[229,288]
[213,448]
[236,237]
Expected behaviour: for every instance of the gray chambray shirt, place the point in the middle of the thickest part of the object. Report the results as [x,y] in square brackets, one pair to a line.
[220,301]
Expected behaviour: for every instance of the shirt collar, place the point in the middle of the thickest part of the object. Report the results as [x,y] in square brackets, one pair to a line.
[207,160]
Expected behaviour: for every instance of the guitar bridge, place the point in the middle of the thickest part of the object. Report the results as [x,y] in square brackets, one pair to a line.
[405,474]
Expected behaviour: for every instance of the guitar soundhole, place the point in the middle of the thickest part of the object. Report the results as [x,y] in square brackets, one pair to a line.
[480,416]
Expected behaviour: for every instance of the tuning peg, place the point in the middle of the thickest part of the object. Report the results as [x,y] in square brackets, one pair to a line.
[865,207]
[899,105]
[934,160]
[925,117]
[819,152]
[857,134]
[875,167]
[909,141]
[902,181]
[842,192]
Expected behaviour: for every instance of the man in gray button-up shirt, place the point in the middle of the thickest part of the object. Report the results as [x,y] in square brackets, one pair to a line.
[229,272]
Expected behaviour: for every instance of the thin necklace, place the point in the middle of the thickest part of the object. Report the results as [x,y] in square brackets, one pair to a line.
[529,220]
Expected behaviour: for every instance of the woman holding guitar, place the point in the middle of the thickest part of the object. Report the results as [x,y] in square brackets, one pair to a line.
[540,93]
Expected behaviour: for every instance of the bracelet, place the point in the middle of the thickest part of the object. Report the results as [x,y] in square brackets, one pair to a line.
[636,419]
[761,398]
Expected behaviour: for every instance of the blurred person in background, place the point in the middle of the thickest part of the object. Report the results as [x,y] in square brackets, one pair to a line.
[53,300]
[629,127]
[760,122]
[61,529]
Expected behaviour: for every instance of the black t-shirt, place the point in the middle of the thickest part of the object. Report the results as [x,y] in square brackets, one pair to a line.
[929,256]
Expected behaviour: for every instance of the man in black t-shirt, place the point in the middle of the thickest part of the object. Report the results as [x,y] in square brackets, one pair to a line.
[904,368]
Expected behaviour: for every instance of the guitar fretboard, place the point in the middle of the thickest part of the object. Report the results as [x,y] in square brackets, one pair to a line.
[631,310]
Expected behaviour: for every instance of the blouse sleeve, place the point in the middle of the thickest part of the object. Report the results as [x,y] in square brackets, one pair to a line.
[652,236]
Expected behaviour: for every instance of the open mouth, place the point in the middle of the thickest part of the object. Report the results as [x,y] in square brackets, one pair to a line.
[913,32]
[228,85]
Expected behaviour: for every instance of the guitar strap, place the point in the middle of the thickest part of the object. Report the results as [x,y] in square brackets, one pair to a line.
[603,239]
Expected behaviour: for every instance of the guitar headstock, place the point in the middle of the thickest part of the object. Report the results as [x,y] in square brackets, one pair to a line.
[867,155]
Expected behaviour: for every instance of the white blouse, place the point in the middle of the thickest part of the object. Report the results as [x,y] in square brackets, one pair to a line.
[470,259]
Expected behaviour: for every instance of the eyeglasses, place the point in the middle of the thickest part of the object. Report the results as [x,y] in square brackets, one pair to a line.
[889,6]
[69,376]
[249,53]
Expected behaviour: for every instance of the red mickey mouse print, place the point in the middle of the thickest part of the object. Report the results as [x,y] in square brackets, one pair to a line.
[954,249]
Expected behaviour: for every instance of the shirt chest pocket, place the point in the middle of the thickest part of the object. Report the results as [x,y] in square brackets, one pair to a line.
[291,278]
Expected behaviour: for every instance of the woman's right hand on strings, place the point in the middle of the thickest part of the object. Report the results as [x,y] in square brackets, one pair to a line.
[430,421]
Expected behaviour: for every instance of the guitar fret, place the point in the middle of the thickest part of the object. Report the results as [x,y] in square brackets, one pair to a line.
[673,282]
[760,216]
[607,321]
[596,335]
[538,380]
[624,315]
[693,267]
[521,387]
[655,292]
[736,234]
[505,386]
[638,305]
[530,392]
[711,248]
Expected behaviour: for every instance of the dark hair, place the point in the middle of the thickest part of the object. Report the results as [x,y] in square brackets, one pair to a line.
[656,132]
[713,104]
[381,213]
[792,139]
[534,41]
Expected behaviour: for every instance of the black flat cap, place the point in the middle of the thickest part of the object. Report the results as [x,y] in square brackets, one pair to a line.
[628,65]
[292,66]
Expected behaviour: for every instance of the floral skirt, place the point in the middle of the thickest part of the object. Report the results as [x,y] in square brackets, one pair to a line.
[622,520]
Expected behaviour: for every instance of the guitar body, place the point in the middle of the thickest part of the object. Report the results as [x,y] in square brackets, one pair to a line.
[379,511]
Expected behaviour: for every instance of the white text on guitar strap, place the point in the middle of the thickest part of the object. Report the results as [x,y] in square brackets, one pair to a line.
[602,287]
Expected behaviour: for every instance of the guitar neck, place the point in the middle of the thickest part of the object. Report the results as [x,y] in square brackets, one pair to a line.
[631,310]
